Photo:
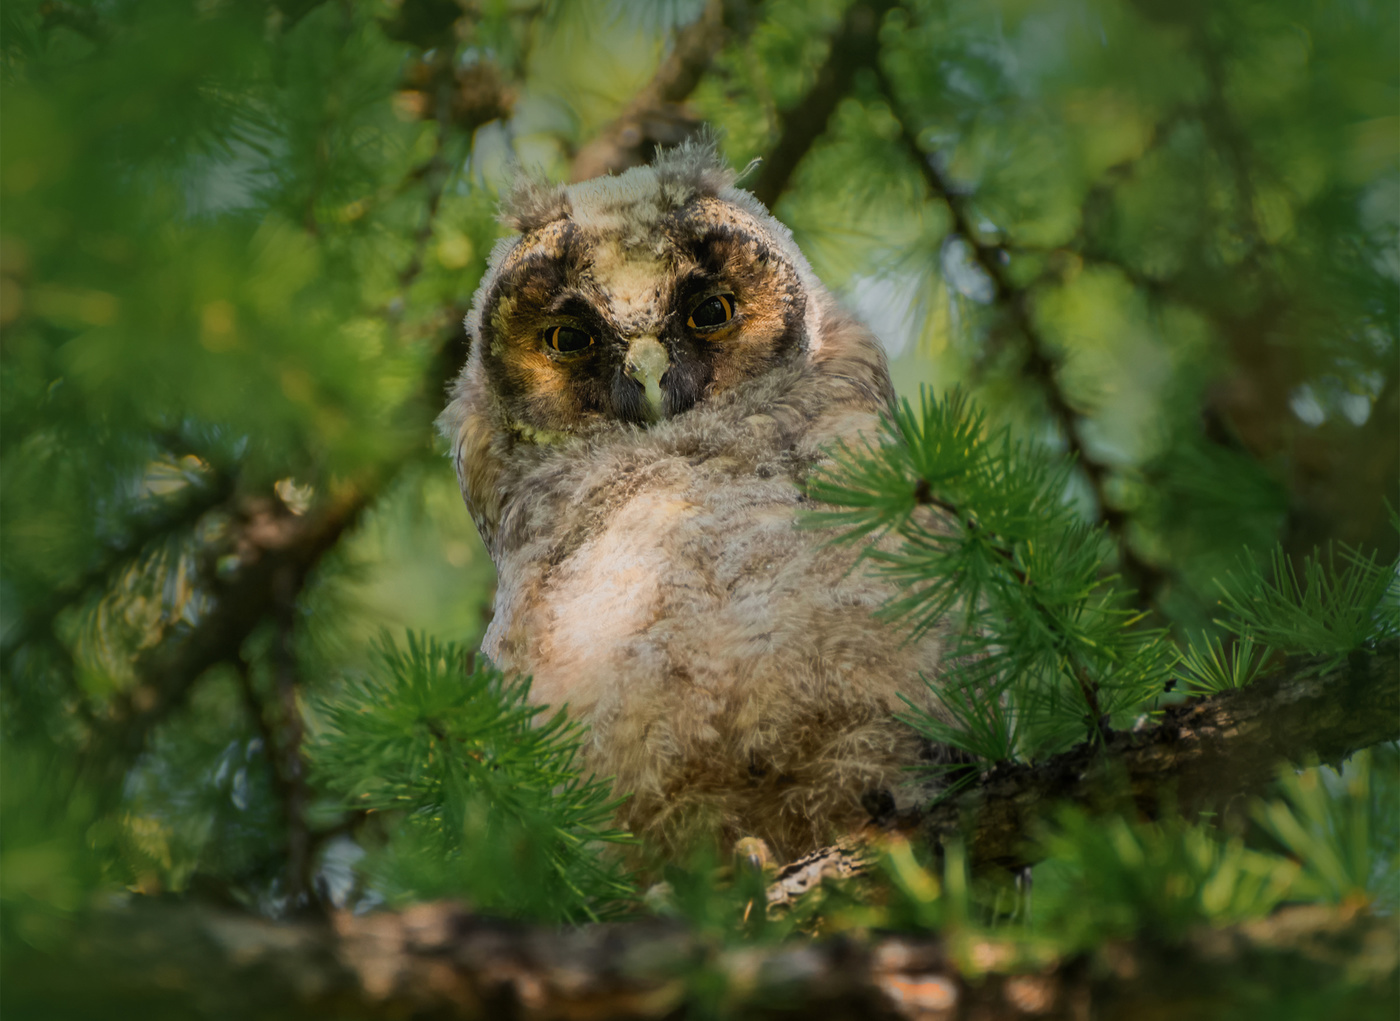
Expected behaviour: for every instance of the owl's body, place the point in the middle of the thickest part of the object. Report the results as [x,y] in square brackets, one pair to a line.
[641,495]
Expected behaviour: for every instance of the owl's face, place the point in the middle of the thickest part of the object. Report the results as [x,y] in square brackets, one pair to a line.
[632,299]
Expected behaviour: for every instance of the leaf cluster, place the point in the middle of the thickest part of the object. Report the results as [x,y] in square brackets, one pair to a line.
[978,531]
[1315,840]
[1316,609]
[490,800]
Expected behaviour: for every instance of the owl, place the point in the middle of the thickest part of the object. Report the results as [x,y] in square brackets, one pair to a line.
[654,373]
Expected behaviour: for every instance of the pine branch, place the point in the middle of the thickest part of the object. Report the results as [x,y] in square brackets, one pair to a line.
[923,494]
[278,551]
[855,46]
[439,960]
[1040,365]
[1199,756]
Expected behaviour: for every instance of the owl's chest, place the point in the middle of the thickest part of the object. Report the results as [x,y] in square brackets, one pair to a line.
[647,569]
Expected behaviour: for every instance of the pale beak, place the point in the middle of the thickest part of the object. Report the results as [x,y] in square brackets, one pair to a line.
[647,362]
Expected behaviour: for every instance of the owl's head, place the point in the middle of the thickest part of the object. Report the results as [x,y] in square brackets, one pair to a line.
[634,298]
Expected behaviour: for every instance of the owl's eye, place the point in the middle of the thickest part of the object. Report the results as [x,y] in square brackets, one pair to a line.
[567,340]
[712,312]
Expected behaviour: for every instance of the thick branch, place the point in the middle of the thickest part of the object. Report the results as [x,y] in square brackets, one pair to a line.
[1200,755]
[437,960]
[855,46]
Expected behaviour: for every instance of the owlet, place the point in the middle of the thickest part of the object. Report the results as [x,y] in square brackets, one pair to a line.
[654,373]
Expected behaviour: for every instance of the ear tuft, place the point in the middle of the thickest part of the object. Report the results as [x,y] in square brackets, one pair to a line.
[534,201]
[695,165]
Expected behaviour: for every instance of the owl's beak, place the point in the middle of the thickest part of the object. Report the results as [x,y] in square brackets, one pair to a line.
[647,362]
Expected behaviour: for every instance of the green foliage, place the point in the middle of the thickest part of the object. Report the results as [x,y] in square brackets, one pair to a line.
[1340,824]
[1207,667]
[1106,877]
[54,846]
[1112,878]
[986,547]
[1324,612]
[219,305]
[236,245]
[201,806]
[493,807]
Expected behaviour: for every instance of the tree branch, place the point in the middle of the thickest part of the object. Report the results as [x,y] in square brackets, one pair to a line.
[438,960]
[855,46]
[1199,756]
[277,551]
[1147,578]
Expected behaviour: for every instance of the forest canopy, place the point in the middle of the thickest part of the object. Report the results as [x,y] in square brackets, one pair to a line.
[1137,269]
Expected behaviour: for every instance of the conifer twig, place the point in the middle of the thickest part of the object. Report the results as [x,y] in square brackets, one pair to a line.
[1040,365]
[923,495]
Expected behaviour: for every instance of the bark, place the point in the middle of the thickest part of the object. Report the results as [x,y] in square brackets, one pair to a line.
[1200,756]
[439,961]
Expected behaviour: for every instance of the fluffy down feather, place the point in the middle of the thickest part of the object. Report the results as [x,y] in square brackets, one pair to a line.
[656,579]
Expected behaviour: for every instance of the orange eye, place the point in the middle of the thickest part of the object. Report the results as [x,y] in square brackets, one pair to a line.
[567,340]
[712,312]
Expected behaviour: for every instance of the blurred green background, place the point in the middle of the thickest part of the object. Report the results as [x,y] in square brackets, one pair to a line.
[237,240]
